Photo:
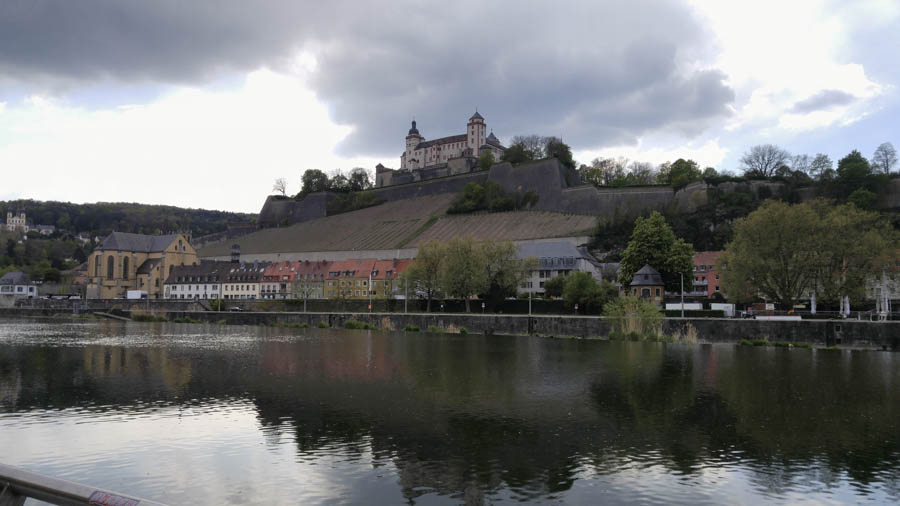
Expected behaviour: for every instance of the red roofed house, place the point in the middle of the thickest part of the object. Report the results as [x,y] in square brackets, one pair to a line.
[706,277]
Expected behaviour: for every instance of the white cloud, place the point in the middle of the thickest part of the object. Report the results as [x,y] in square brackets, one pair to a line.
[196,148]
[779,53]
[708,154]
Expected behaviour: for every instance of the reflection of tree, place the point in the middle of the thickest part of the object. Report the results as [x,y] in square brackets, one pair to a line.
[470,417]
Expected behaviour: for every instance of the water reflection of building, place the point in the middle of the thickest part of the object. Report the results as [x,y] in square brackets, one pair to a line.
[113,361]
[364,358]
[10,388]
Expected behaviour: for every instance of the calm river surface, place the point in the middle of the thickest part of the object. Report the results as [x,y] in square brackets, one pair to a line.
[207,414]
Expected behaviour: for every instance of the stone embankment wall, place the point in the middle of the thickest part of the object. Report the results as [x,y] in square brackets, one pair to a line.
[843,333]
[846,333]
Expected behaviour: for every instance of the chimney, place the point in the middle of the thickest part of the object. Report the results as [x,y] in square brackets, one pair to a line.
[235,253]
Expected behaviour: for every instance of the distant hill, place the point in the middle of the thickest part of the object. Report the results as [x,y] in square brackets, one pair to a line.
[101,218]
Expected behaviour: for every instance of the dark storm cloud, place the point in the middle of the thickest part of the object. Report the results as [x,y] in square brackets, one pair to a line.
[823,100]
[595,73]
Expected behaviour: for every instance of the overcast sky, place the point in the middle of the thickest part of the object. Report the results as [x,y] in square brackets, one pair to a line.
[204,103]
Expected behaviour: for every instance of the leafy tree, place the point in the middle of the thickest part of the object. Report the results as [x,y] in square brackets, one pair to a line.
[462,269]
[553,287]
[280,186]
[490,197]
[885,158]
[339,182]
[851,244]
[424,274]
[533,145]
[516,154]
[654,243]
[820,165]
[503,270]
[359,180]
[783,251]
[485,160]
[764,160]
[313,180]
[581,288]
[556,148]
[682,172]
[710,173]
[853,169]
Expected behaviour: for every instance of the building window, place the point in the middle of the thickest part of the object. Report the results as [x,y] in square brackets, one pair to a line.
[125,268]
[97,266]
[110,267]
[657,292]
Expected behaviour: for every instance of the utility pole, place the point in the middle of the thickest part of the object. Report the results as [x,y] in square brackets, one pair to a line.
[682,295]
[405,295]
[370,291]
[529,303]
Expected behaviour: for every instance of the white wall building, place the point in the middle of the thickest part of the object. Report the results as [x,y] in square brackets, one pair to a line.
[420,153]
[202,281]
[554,259]
[14,286]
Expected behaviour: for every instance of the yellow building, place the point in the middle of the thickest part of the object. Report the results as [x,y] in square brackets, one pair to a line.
[125,262]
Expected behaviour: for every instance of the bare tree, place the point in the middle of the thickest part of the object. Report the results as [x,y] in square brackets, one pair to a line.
[534,144]
[280,186]
[801,163]
[764,160]
[885,157]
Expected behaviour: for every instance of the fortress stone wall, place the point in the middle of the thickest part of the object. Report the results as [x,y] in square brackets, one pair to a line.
[559,190]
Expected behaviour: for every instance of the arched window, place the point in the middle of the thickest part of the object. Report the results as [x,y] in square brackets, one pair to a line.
[111,267]
[97,266]
[125,268]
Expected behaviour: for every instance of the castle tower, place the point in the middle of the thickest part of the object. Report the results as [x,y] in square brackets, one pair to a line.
[475,132]
[412,140]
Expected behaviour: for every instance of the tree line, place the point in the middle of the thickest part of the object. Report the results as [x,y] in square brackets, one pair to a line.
[101,218]
[787,252]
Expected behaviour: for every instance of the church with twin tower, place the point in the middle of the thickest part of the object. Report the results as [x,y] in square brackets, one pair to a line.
[421,154]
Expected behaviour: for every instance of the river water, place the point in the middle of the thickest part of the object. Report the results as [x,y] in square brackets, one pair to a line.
[207,414]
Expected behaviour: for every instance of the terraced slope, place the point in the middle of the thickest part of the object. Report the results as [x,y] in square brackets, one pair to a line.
[385,226]
[511,226]
[403,224]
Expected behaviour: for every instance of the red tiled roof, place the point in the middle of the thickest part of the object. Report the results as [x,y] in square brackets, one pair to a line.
[357,267]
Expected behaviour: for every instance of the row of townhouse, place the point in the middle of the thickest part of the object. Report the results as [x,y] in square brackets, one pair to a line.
[348,279]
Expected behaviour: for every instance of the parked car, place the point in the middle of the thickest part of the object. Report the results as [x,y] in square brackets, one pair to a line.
[235,308]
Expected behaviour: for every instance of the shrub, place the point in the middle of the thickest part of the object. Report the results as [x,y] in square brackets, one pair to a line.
[411,328]
[462,330]
[434,329]
[144,317]
[745,342]
[632,315]
[186,319]
[323,325]
[358,325]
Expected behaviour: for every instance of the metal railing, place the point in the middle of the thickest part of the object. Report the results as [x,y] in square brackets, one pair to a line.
[17,485]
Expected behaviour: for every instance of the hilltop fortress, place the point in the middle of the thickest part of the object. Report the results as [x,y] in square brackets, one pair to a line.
[447,156]
[415,199]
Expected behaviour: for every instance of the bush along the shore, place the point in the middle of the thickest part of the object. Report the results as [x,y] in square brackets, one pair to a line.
[411,328]
[358,325]
[186,319]
[323,325]
[434,329]
[633,318]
